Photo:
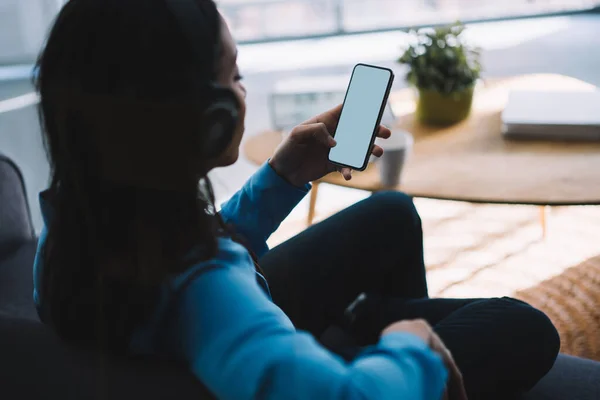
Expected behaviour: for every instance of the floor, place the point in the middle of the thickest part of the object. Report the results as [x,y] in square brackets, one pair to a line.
[471,250]
[490,250]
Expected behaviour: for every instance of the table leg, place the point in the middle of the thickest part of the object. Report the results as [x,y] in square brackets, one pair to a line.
[313,203]
[544,220]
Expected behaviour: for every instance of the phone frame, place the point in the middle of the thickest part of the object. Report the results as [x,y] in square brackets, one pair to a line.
[377,123]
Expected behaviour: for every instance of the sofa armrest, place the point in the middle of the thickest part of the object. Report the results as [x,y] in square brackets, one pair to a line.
[570,378]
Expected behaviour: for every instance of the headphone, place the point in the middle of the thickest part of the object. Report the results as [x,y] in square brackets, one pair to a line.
[220,118]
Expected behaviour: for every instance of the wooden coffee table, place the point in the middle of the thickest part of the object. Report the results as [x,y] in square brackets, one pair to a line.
[472,162]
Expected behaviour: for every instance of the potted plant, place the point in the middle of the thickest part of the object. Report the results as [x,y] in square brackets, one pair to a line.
[444,70]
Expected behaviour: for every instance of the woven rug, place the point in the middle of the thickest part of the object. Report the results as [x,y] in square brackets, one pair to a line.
[572,301]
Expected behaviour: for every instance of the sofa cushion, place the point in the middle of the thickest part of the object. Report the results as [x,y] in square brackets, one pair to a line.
[570,378]
[35,364]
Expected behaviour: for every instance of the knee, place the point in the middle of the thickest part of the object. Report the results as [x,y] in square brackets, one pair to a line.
[395,207]
[535,322]
[531,326]
[536,342]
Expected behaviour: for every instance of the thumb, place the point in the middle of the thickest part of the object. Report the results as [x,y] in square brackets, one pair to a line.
[317,131]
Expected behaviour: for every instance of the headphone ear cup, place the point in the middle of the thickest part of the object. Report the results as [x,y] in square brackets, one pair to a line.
[220,120]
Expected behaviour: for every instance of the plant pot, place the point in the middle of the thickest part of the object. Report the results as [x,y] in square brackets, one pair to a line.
[435,108]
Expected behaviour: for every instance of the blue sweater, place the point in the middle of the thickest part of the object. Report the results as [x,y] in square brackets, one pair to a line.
[242,346]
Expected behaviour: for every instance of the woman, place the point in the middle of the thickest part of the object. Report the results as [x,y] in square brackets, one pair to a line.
[139,101]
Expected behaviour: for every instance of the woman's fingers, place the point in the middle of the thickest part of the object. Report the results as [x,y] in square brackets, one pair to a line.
[319,132]
[456,387]
[384,132]
[346,173]
[377,151]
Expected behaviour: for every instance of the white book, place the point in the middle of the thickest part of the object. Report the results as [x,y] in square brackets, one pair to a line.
[552,115]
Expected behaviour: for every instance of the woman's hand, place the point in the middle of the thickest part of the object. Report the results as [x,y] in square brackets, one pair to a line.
[303,156]
[455,389]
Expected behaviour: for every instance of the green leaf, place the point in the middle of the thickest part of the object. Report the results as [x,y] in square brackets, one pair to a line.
[439,59]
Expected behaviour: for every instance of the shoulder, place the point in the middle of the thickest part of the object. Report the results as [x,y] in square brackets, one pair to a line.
[217,296]
[199,295]
[230,256]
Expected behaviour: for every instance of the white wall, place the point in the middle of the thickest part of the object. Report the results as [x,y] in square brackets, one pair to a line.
[23,28]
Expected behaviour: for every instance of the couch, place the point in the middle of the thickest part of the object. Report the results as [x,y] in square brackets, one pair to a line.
[34,363]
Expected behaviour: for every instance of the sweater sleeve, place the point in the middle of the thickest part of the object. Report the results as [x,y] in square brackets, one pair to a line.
[242,346]
[258,209]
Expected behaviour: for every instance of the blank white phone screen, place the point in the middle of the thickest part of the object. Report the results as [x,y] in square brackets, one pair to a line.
[364,98]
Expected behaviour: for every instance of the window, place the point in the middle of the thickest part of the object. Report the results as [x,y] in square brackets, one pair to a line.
[256,20]
[23,27]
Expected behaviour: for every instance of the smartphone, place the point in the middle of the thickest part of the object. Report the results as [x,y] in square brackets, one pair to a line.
[365,101]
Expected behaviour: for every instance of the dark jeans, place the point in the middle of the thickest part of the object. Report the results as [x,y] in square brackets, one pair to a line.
[502,346]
